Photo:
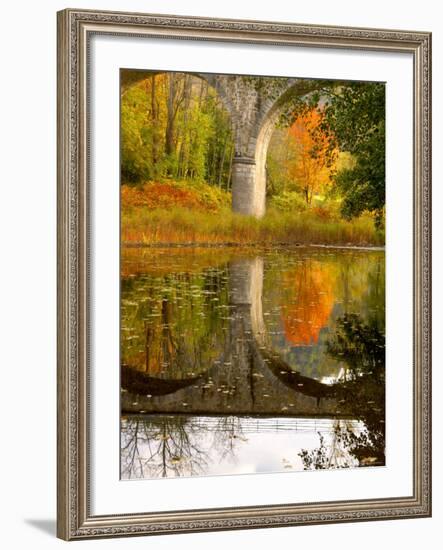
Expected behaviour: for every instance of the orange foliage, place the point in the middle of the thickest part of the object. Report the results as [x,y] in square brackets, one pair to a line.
[162,195]
[310,168]
[311,286]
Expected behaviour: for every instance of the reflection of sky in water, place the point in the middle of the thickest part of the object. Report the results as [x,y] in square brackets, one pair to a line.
[163,447]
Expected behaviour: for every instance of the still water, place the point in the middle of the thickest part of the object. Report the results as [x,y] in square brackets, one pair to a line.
[237,361]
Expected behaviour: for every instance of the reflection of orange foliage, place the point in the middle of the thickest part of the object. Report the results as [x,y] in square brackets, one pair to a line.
[310,299]
[161,195]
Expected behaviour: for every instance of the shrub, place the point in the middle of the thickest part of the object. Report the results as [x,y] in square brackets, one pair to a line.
[168,193]
[288,201]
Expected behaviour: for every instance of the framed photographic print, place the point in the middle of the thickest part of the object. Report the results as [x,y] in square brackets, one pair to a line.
[243,274]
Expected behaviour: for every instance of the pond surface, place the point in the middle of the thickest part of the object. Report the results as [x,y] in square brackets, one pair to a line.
[244,361]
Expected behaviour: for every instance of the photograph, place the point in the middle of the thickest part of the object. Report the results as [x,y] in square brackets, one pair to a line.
[252,274]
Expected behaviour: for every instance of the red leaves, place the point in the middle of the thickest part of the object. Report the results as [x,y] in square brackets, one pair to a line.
[163,195]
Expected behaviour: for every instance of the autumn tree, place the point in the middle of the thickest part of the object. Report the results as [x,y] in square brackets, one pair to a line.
[311,168]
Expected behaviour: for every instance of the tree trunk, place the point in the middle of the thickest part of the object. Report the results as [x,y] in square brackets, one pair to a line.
[184,150]
[154,123]
[222,162]
[231,159]
[169,134]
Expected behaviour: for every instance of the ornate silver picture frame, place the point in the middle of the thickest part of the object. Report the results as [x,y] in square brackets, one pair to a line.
[75,517]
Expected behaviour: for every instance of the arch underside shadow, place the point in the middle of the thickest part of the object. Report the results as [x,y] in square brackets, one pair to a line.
[267,385]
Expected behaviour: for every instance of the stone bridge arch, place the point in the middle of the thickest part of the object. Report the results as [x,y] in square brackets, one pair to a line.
[254,104]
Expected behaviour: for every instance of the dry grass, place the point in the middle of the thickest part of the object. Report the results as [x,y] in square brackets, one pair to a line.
[183,225]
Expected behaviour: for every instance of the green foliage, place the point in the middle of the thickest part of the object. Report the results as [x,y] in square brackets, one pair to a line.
[288,201]
[355,118]
[173,125]
[281,155]
[137,136]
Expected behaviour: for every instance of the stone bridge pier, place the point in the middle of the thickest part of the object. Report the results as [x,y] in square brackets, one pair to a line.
[255,105]
[245,291]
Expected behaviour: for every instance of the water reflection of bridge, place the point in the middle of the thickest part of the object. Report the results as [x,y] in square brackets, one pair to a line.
[248,378]
[245,425]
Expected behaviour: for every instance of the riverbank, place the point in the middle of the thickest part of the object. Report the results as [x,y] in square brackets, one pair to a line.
[255,246]
[191,213]
[178,226]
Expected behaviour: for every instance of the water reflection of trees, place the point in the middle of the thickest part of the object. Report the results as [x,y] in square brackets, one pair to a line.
[314,290]
[161,447]
[174,445]
[172,325]
[361,347]
[307,300]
